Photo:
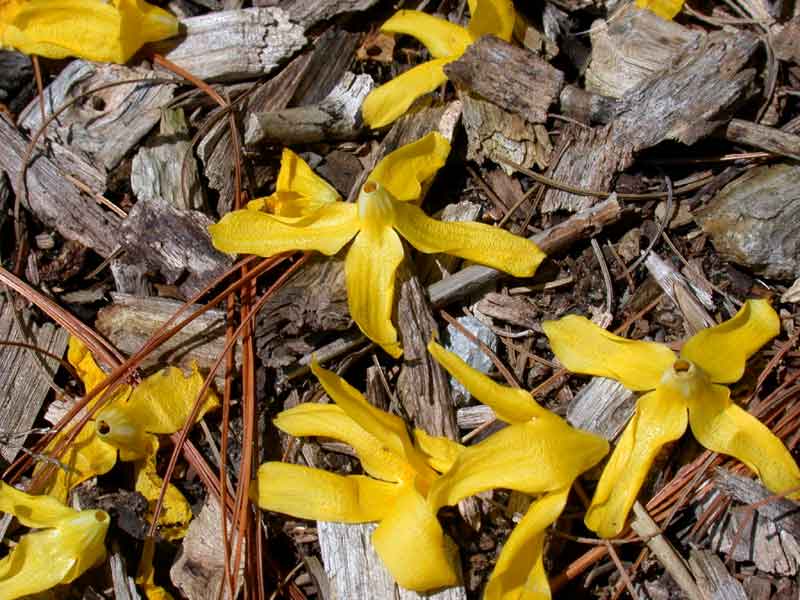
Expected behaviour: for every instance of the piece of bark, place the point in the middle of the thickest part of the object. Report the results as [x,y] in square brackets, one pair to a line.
[764,138]
[517,310]
[15,71]
[199,570]
[603,406]
[713,579]
[311,12]
[471,417]
[130,277]
[24,377]
[632,46]
[130,321]
[583,106]
[356,572]
[677,288]
[752,220]
[173,242]
[786,41]
[308,78]
[513,78]
[335,118]
[233,44]
[684,103]
[474,278]
[104,126]
[166,168]
[55,200]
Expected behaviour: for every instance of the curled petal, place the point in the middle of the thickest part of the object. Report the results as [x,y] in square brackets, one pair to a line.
[411,543]
[583,347]
[72,543]
[722,426]
[494,17]
[519,572]
[403,171]
[145,575]
[536,457]
[90,29]
[389,429]
[329,420]
[369,271]
[91,375]
[666,9]
[252,232]
[176,513]
[442,452]
[441,37]
[309,493]
[299,191]
[484,244]
[722,351]
[390,101]
[660,418]
[509,404]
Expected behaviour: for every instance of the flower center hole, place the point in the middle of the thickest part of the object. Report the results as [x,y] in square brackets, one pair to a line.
[103,428]
[681,366]
[370,187]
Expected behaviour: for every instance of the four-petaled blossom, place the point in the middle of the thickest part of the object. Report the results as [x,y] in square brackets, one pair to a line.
[67,544]
[91,29]
[445,41]
[685,391]
[128,424]
[400,471]
[311,216]
[538,454]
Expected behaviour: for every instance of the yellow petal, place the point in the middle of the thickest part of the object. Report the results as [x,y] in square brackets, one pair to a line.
[441,37]
[666,9]
[389,429]
[519,572]
[484,244]
[583,347]
[495,17]
[722,351]
[389,102]
[403,171]
[91,29]
[299,191]
[250,232]
[329,420]
[535,457]
[722,426]
[91,375]
[176,513]
[86,456]
[660,418]
[308,493]
[412,545]
[72,543]
[145,576]
[369,272]
[509,404]
[442,452]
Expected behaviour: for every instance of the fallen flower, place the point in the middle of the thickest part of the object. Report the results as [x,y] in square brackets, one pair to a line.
[538,454]
[445,41]
[67,544]
[91,29]
[680,385]
[128,424]
[316,219]
[400,471]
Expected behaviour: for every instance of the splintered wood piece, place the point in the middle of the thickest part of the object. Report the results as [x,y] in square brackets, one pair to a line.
[513,78]
[335,118]
[603,406]
[713,579]
[632,46]
[764,138]
[233,44]
[130,321]
[23,382]
[174,242]
[355,571]
[681,293]
[311,12]
[104,126]
[53,198]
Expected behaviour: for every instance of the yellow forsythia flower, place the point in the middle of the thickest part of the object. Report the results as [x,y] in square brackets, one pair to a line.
[666,9]
[311,216]
[68,543]
[91,29]
[128,424]
[685,391]
[538,454]
[445,41]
